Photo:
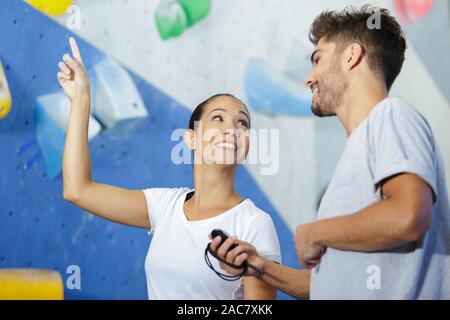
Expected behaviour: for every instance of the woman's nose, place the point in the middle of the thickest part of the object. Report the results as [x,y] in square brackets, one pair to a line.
[235,133]
[230,131]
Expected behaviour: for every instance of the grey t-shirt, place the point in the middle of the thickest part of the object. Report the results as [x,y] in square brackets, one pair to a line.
[393,139]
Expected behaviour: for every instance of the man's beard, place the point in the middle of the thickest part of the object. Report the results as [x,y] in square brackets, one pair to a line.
[330,92]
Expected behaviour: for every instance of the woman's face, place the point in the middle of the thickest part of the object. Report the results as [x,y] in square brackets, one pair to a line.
[223,132]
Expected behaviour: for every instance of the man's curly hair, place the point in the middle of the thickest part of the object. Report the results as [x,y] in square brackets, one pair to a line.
[384,46]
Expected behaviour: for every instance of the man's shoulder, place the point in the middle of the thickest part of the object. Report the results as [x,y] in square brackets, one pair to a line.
[397,108]
[399,113]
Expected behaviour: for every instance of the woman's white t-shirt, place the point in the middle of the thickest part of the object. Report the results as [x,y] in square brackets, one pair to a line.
[175,266]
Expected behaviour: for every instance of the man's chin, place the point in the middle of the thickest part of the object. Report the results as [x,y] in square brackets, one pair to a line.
[319,112]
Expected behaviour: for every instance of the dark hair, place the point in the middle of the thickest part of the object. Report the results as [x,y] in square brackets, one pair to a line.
[198,111]
[385,46]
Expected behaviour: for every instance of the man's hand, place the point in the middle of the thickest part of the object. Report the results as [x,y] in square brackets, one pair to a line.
[308,252]
[241,253]
[292,281]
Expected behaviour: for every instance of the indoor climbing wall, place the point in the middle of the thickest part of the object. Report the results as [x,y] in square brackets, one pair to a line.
[129,148]
[150,63]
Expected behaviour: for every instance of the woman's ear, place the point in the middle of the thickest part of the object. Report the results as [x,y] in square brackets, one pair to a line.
[189,139]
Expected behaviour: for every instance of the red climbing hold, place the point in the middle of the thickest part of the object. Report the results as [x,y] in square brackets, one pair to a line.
[410,11]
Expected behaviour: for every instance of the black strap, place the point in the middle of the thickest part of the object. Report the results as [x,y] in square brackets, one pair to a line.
[189,195]
[222,275]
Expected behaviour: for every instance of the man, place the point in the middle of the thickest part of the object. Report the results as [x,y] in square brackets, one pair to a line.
[383,227]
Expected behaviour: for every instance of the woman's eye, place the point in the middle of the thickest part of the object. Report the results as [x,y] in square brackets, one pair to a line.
[217,118]
[317,61]
[244,123]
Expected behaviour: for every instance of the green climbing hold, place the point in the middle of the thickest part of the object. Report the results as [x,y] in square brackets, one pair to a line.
[171,19]
[195,10]
[174,16]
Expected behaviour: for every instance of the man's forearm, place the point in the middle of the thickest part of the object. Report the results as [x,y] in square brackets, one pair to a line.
[292,281]
[377,227]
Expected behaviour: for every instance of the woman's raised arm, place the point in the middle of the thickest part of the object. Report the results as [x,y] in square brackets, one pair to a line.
[116,204]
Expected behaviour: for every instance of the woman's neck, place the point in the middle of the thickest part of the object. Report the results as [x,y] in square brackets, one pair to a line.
[214,191]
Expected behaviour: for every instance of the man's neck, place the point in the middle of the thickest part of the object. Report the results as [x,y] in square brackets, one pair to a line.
[358,103]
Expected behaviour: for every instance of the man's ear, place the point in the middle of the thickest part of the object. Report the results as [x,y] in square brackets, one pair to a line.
[353,55]
[189,139]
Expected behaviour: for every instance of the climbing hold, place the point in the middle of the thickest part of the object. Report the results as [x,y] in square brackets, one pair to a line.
[30,284]
[5,95]
[195,10]
[115,96]
[50,117]
[174,16]
[411,11]
[51,7]
[170,19]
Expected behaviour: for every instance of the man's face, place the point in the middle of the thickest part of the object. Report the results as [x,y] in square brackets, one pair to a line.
[327,80]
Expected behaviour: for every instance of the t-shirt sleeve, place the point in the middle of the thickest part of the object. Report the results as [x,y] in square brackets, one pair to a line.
[160,202]
[263,236]
[402,142]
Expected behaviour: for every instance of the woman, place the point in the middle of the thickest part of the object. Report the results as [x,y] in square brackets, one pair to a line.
[180,219]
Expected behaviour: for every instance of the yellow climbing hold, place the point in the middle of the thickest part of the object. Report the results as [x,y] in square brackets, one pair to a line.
[5,95]
[30,284]
[51,7]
